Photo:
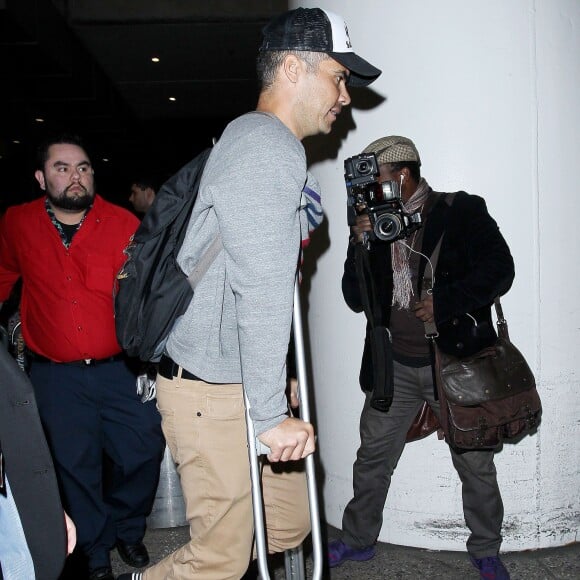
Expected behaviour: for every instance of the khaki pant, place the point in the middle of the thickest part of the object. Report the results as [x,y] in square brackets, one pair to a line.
[205,428]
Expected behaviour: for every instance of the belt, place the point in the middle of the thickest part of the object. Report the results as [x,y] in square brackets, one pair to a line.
[84,362]
[168,368]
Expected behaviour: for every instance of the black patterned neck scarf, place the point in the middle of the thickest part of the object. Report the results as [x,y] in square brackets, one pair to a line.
[65,231]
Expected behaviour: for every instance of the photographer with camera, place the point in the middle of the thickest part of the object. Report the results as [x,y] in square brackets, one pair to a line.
[396,221]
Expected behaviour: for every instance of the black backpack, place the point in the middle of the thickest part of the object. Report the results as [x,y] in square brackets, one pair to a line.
[151,290]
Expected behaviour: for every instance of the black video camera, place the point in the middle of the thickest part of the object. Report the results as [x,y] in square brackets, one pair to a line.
[381,201]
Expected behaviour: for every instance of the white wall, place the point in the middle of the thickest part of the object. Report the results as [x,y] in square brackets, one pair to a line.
[490,93]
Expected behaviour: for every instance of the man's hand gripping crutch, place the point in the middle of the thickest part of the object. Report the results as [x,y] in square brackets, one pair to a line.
[292,440]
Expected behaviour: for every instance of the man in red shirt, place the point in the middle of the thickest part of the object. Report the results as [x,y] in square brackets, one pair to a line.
[68,247]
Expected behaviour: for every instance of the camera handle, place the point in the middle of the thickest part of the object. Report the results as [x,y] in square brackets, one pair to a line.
[379,337]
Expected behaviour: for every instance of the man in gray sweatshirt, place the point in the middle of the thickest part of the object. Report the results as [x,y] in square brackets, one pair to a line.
[253,193]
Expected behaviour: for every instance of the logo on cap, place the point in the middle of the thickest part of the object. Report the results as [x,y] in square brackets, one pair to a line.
[348,42]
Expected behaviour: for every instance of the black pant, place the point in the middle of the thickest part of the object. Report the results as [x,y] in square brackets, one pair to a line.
[90,413]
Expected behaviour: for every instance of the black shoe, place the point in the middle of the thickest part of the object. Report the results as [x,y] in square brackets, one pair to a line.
[134,555]
[104,573]
[130,576]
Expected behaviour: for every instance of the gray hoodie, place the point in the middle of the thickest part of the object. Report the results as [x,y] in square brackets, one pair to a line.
[237,327]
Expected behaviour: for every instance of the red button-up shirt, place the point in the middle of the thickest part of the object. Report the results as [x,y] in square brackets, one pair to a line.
[67,294]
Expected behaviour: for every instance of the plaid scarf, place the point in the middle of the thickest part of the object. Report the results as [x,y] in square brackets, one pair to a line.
[400,252]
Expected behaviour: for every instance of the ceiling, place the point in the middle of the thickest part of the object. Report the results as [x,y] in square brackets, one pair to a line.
[85,66]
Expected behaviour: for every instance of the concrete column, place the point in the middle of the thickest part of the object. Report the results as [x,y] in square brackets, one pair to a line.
[489,92]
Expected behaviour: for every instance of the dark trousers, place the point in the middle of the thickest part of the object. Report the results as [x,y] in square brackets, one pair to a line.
[91,414]
[382,442]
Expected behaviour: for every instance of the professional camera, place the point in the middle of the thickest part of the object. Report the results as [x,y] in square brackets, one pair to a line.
[381,201]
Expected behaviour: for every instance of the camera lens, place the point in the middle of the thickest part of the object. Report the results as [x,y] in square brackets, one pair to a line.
[387,227]
[363,167]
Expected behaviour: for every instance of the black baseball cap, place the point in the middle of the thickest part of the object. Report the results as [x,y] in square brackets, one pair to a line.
[317,30]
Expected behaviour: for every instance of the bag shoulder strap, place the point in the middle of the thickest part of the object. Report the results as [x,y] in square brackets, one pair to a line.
[205,262]
[429,283]
[502,325]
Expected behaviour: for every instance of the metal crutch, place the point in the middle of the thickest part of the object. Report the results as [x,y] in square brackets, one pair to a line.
[293,559]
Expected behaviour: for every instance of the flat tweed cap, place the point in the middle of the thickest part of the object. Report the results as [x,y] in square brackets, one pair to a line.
[393,149]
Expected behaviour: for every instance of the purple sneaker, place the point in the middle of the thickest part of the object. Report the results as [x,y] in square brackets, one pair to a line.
[490,568]
[338,552]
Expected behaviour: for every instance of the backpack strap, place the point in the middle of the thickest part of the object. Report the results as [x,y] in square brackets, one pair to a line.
[205,262]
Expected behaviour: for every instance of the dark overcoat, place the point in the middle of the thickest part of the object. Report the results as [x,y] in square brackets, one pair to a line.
[474,266]
[30,471]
